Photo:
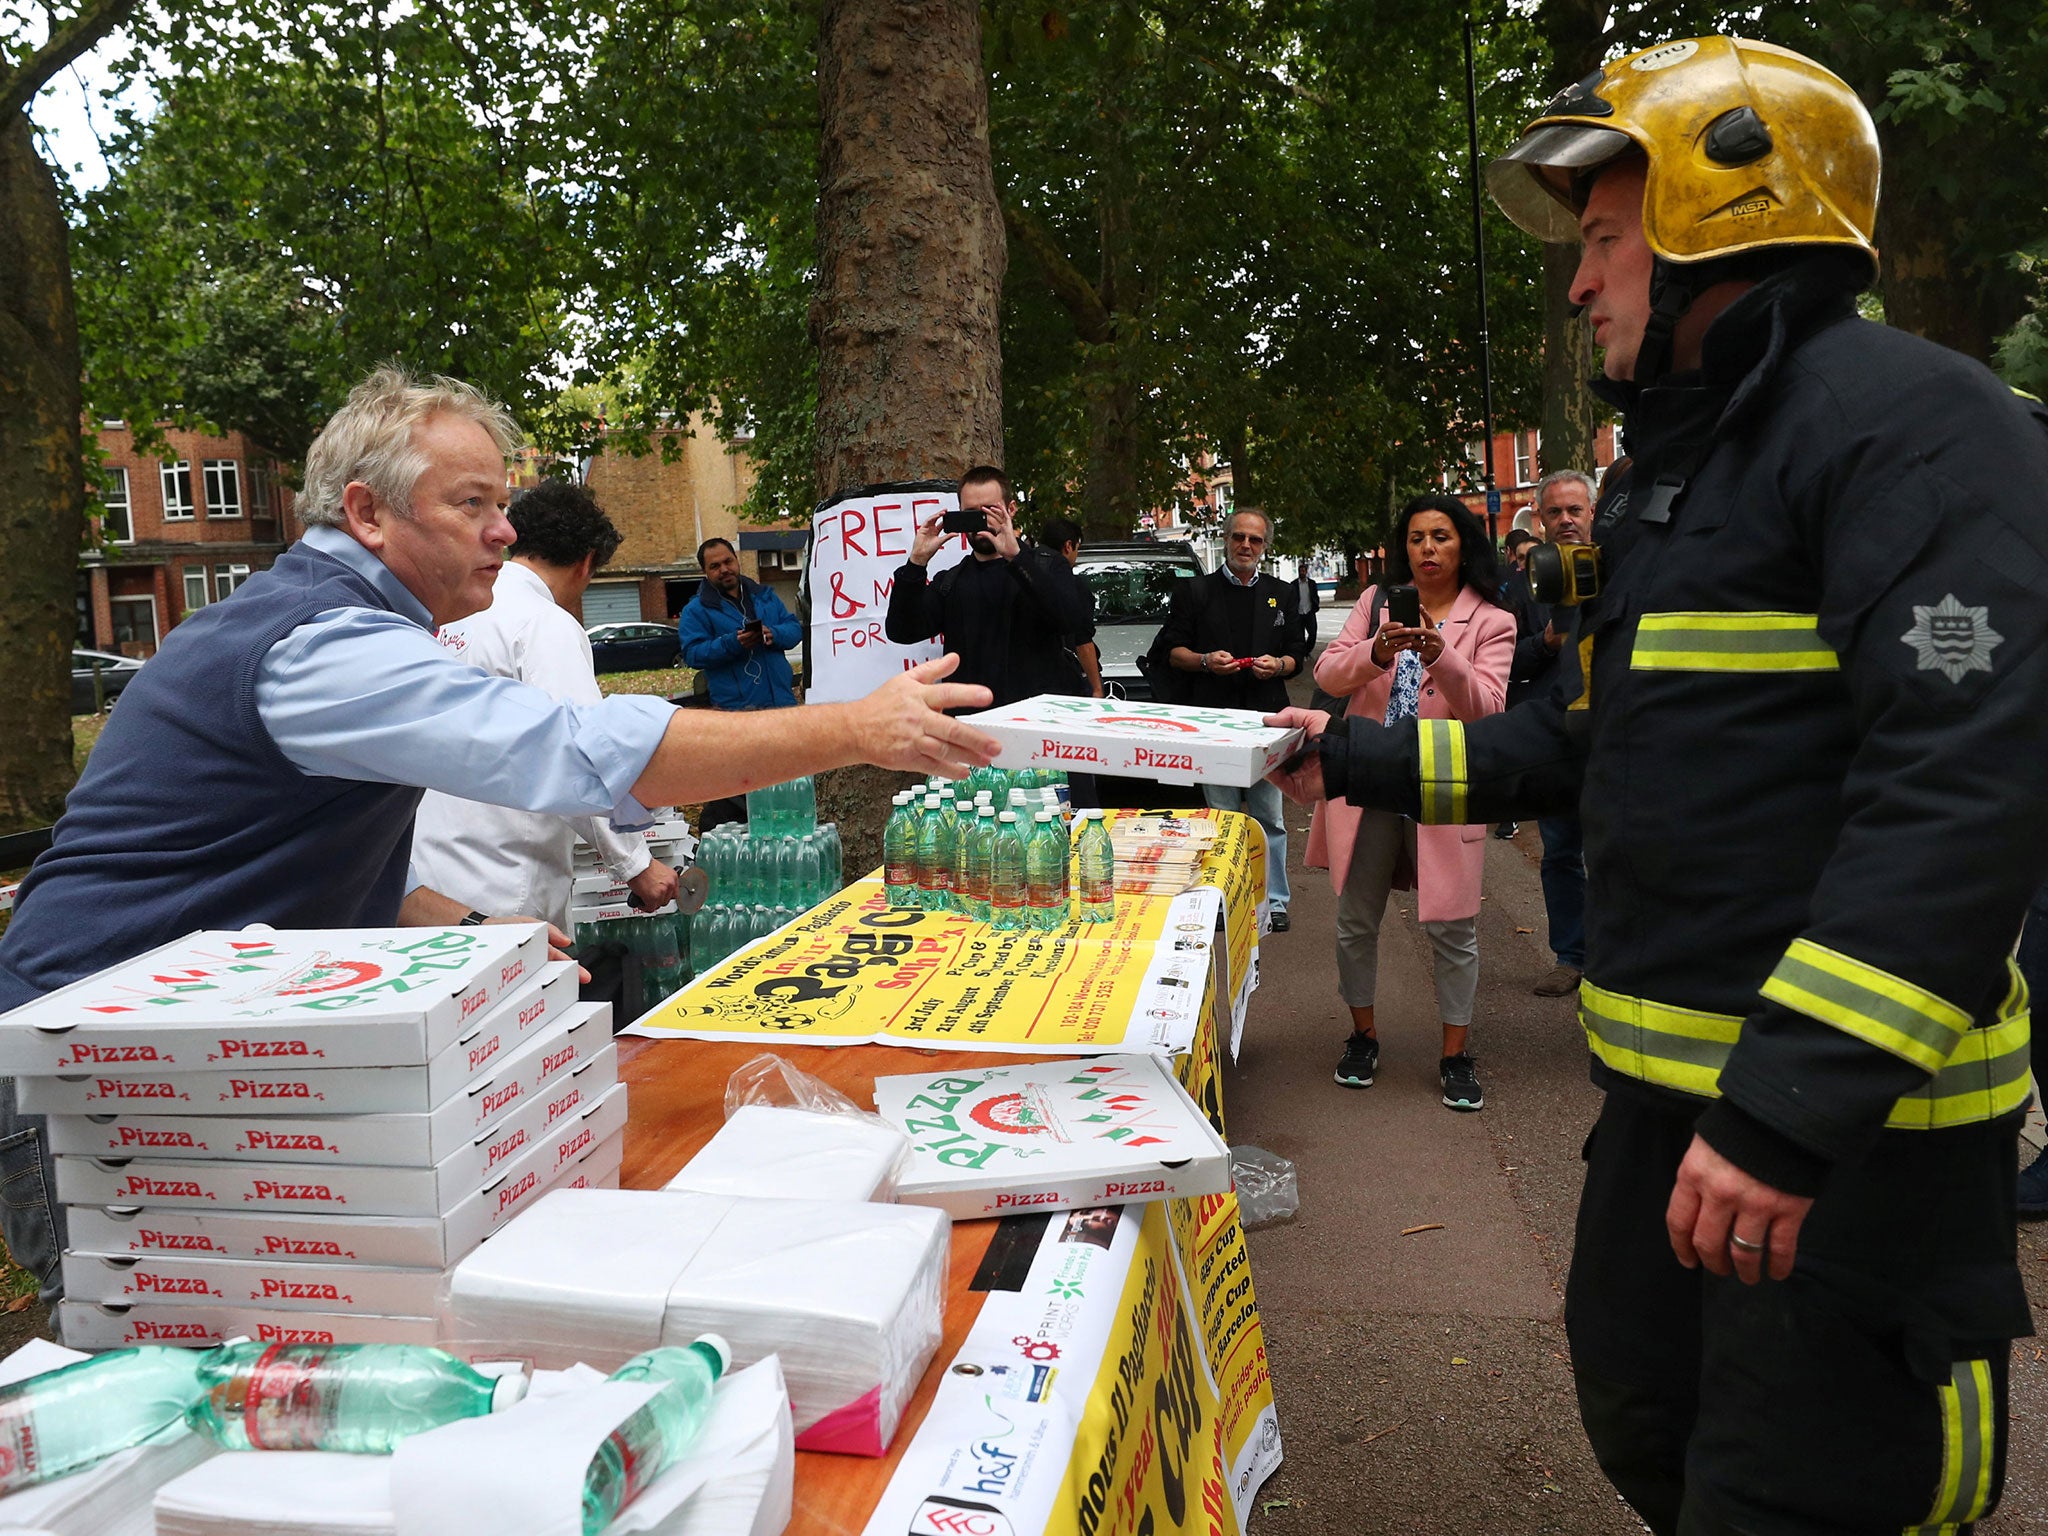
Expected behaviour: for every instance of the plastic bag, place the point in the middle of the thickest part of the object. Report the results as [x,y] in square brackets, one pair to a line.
[789,1135]
[1266,1188]
[769,1079]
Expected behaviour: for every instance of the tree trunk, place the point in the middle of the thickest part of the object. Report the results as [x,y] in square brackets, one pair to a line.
[911,248]
[1575,30]
[1929,287]
[1571,412]
[42,487]
[1109,496]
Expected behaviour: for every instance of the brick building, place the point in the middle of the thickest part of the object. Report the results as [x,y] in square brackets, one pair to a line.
[666,509]
[177,533]
[1518,465]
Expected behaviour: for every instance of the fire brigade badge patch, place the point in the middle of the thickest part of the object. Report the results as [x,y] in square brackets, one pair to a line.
[1952,638]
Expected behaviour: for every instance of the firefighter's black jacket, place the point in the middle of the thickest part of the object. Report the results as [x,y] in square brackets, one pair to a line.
[1812,757]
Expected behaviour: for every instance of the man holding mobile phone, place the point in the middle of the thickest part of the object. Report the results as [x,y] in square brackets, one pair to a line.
[735,631]
[1007,612]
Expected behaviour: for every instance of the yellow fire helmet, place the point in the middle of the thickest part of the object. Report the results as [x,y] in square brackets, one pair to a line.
[1750,146]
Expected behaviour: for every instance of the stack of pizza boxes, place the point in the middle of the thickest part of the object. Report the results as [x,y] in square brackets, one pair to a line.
[293,1136]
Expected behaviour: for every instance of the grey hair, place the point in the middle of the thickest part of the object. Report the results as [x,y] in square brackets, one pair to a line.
[1237,512]
[371,439]
[1562,475]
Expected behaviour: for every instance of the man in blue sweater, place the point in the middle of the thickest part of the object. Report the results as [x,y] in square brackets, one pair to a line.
[735,632]
[265,766]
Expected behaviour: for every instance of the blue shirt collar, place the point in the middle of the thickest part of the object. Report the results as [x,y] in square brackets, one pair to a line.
[1231,576]
[342,546]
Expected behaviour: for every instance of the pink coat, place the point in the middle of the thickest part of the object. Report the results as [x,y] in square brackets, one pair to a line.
[1469,680]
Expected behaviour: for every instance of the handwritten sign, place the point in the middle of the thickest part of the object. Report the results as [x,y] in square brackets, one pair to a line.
[858,545]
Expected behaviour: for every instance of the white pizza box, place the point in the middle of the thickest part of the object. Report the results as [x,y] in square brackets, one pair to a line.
[600,890]
[431,1242]
[371,1190]
[1056,1135]
[488,1089]
[339,997]
[1173,743]
[385,1141]
[134,1280]
[93,1325]
[229,1184]
[616,911]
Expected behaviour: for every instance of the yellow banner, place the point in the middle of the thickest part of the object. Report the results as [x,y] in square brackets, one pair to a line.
[853,970]
[1159,1448]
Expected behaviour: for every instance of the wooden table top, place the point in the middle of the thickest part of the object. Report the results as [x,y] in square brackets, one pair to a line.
[676,1103]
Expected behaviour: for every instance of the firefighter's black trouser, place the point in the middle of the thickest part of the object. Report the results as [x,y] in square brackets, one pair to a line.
[1865,1394]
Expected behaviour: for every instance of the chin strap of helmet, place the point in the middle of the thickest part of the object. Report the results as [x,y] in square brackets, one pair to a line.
[1672,290]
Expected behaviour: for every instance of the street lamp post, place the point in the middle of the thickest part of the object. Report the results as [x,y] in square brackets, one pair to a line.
[1479,263]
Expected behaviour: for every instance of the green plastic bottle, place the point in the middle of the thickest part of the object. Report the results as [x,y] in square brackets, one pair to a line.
[659,1431]
[1045,872]
[981,848]
[1009,896]
[361,1398]
[935,835]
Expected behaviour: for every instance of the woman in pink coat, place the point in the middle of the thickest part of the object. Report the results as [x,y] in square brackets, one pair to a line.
[1453,665]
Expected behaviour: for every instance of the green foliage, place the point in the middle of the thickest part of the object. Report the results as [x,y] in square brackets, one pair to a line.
[323,189]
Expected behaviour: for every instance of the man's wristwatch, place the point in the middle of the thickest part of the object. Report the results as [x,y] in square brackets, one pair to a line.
[474,920]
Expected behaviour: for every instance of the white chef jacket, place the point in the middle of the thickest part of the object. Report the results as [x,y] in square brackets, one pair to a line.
[492,859]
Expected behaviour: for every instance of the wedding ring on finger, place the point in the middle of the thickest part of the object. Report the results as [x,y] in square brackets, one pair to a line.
[1743,1243]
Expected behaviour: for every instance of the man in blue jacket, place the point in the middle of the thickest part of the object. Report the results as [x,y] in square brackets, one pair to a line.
[735,632]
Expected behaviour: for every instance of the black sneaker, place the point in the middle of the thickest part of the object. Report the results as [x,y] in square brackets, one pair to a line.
[1277,921]
[1361,1061]
[1506,830]
[1461,1083]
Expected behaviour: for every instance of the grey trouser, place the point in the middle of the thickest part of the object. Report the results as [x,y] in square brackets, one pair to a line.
[1362,904]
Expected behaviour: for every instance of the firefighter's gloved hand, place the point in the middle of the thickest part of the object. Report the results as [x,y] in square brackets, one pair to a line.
[1300,778]
[1715,1202]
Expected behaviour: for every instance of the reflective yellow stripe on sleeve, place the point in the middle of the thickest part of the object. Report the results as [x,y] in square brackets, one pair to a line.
[1984,1078]
[1440,746]
[1731,642]
[1873,1005]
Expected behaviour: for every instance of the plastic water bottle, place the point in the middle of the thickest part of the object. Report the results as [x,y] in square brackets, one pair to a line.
[658,1432]
[1045,873]
[936,834]
[902,868]
[804,805]
[981,848]
[1094,871]
[764,816]
[963,825]
[1008,894]
[78,1414]
[831,867]
[361,1398]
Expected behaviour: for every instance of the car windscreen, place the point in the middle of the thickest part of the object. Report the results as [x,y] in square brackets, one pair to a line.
[1132,591]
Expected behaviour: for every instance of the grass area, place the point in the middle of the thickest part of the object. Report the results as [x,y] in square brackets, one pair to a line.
[85,730]
[662,682]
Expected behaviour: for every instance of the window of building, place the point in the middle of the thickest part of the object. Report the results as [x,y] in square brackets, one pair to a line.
[116,522]
[1527,446]
[195,587]
[134,621]
[228,577]
[262,488]
[177,479]
[223,488]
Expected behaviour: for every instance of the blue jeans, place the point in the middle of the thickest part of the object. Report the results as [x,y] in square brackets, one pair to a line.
[1564,888]
[1267,808]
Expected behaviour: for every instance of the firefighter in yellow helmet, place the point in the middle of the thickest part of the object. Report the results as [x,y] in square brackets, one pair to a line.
[1805,720]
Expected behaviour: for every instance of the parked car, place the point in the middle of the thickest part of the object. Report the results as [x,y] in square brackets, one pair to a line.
[1133,586]
[635,647]
[116,672]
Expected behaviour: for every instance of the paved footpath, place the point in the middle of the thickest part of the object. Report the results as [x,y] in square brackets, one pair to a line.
[1423,1380]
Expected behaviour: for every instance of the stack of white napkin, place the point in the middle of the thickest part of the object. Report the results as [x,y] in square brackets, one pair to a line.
[780,1153]
[849,1294]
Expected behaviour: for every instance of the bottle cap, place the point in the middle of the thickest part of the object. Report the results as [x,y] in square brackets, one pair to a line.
[983,796]
[987,809]
[1016,797]
[507,1390]
[717,1353]
[1009,816]
[931,802]
[1045,816]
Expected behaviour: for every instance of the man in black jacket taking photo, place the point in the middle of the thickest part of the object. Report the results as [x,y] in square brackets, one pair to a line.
[1238,632]
[1008,612]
